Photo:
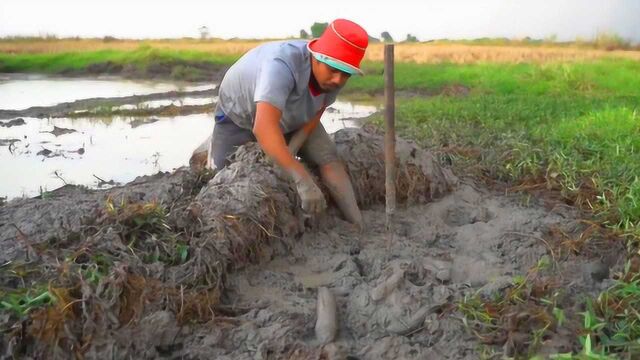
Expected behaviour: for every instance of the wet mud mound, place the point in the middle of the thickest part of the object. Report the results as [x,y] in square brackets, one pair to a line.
[419,178]
[199,265]
[86,272]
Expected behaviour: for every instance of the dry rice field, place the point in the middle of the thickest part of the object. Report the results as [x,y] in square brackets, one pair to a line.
[415,52]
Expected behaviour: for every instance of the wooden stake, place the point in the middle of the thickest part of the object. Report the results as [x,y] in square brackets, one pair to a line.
[390,134]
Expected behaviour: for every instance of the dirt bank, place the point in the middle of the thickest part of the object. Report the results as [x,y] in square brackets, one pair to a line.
[191,265]
[155,69]
[94,106]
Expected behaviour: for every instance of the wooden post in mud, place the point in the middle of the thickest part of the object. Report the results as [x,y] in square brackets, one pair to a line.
[390,134]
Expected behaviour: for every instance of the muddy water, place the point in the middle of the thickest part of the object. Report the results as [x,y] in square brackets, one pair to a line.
[117,149]
[44,154]
[23,91]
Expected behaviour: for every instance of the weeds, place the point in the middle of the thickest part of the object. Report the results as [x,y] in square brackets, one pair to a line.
[520,318]
[22,301]
[143,228]
[613,320]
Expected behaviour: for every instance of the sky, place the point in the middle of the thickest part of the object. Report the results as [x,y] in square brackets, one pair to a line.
[426,19]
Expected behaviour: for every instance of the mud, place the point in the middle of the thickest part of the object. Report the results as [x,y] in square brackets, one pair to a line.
[14,122]
[438,254]
[155,69]
[247,287]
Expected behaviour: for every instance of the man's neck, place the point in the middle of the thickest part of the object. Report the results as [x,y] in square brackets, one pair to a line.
[314,87]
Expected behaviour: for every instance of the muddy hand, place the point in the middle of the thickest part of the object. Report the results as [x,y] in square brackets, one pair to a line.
[313,200]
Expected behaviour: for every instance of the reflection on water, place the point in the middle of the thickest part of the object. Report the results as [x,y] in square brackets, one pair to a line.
[117,148]
[342,114]
[110,150]
[153,104]
[23,91]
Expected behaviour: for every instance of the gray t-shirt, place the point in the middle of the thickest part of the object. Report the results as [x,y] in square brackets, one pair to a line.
[277,73]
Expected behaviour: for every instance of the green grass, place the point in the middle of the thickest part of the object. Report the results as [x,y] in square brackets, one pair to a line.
[22,301]
[570,127]
[614,318]
[531,296]
[576,126]
[142,57]
[603,77]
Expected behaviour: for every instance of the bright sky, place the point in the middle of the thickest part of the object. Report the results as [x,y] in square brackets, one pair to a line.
[426,19]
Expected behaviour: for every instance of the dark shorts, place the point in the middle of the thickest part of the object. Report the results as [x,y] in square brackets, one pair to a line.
[318,150]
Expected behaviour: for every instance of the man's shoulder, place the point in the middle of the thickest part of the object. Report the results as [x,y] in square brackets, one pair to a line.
[287,46]
[292,52]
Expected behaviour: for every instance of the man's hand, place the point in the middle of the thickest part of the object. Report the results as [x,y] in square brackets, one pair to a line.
[313,201]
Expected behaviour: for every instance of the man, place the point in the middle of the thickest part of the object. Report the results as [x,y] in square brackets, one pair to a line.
[278,92]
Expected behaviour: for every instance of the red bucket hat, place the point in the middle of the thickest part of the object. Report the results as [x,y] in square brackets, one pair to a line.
[342,46]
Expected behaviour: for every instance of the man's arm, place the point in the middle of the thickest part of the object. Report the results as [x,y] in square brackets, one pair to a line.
[266,128]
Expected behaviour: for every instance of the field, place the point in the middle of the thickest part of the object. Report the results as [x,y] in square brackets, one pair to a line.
[430,53]
[557,123]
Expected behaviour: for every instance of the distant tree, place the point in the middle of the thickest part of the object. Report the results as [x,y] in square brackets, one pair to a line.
[318,28]
[204,32]
[386,37]
[373,39]
[411,38]
[109,38]
[304,34]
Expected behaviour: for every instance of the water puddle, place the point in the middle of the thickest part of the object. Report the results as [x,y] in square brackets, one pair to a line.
[22,91]
[42,154]
[117,149]
[342,114]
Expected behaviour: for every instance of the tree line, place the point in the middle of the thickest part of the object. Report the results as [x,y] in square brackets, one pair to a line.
[318,28]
